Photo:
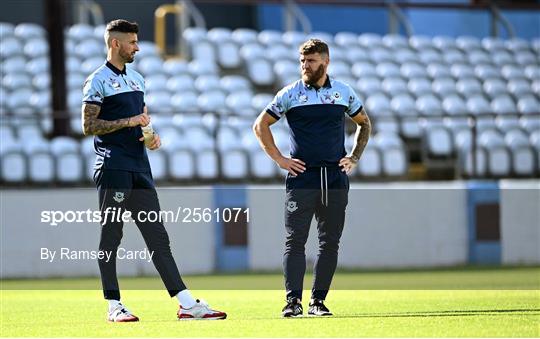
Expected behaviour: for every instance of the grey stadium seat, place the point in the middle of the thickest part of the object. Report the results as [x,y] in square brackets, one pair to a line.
[523,157]
[528,104]
[429,55]
[200,67]
[438,70]
[413,70]
[468,87]
[244,35]
[378,103]
[156,82]
[444,86]
[13,64]
[370,40]
[512,71]
[454,105]
[293,38]
[90,48]
[369,84]
[346,39]
[502,58]
[394,157]
[370,164]
[10,47]
[468,42]
[363,69]
[159,102]
[394,85]
[486,71]
[27,31]
[150,65]
[270,37]
[207,82]
[180,83]
[439,141]
[233,83]
[460,71]
[454,56]
[36,47]
[499,163]
[261,165]
[420,86]
[240,103]
[80,32]
[429,105]
[395,41]
[532,72]
[356,54]
[503,105]
[206,164]
[380,54]
[212,102]
[175,67]
[158,162]
[477,104]
[402,104]
[519,88]
[185,102]
[261,100]
[495,87]
[181,164]
[420,42]
[234,164]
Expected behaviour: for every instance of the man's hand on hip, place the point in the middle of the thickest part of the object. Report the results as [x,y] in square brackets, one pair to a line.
[293,166]
[347,164]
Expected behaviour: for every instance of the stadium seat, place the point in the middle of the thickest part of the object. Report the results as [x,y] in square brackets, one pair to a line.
[468,87]
[420,86]
[260,101]
[388,70]
[362,69]
[421,42]
[270,37]
[532,72]
[405,55]
[175,67]
[476,57]
[412,70]
[27,31]
[503,105]
[36,47]
[181,164]
[261,166]
[477,104]
[88,66]
[207,164]
[394,86]
[356,54]
[380,55]
[444,86]
[207,82]
[81,32]
[528,104]
[454,57]
[502,58]
[495,87]
[378,104]
[13,167]
[369,84]
[244,35]
[14,64]
[184,102]
[158,163]
[180,84]
[10,47]
[159,102]
[429,105]
[234,164]
[512,71]
[370,40]
[260,72]
[370,164]
[507,122]
[202,67]
[234,83]
[240,103]
[293,38]
[454,105]
[429,56]
[499,163]
[523,157]
[519,88]
[486,71]
[212,102]
[156,82]
[438,71]
[394,157]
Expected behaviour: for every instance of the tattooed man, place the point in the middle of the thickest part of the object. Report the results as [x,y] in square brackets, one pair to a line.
[114,111]
[317,182]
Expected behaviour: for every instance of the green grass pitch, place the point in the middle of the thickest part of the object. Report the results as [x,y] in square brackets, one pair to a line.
[440,303]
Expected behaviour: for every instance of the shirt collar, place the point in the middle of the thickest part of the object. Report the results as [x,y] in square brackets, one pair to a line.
[326,84]
[116,70]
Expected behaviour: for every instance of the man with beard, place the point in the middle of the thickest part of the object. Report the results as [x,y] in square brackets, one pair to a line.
[317,182]
[114,111]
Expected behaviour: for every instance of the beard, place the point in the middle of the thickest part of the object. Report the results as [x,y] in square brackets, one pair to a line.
[127,57]
[314,77]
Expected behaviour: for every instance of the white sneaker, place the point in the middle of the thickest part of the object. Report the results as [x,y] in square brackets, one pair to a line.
[121,314]
[200,311]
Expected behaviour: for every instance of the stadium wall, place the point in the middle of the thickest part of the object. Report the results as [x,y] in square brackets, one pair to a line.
[388,225]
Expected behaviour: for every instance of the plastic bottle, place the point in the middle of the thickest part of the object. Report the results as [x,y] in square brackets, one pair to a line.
[148,134]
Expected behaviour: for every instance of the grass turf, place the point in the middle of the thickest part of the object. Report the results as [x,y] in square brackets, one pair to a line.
[430,312]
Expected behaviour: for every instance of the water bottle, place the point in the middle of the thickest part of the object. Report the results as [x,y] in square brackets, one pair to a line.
[148,134]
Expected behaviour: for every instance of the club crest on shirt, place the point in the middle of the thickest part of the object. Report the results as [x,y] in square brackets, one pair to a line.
[115,84]
[135,86]
[302,97]
[336,95]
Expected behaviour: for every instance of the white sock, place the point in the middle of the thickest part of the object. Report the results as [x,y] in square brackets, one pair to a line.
[186,299]
[113,304]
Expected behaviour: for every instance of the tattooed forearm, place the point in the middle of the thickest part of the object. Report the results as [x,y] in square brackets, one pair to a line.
[94,126]
[361,137]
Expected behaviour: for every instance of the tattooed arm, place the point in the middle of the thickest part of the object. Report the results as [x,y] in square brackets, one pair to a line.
[363,130]
[93,126]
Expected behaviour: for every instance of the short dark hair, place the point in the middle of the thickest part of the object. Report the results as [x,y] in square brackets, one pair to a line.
[314,46]
[122,26]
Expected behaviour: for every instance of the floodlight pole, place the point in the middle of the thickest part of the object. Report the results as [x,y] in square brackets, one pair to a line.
[54,20]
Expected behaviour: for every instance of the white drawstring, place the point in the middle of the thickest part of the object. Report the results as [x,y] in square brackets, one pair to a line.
[324,187]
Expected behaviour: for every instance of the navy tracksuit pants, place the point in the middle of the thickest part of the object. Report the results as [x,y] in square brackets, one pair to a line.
[134,192]
[323,192]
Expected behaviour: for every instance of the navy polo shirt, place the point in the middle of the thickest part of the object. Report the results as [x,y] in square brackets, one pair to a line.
[120,93]
[316,117]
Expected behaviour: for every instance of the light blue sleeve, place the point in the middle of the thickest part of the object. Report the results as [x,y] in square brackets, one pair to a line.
[354,103]
[93,91]
[280,104]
